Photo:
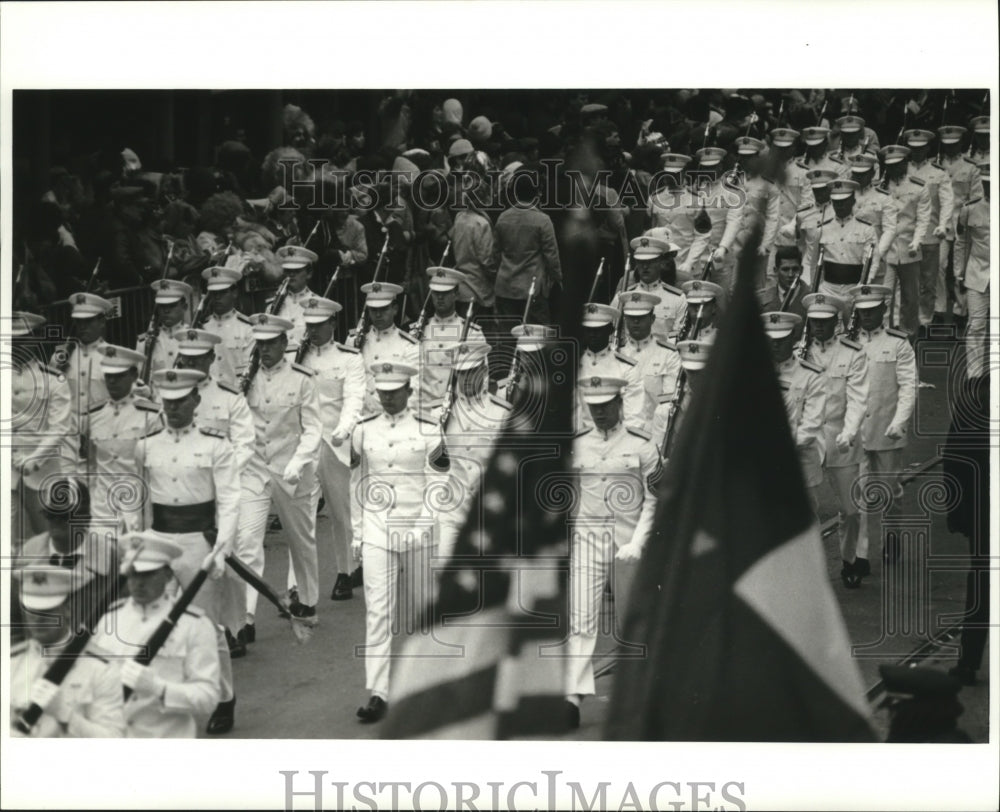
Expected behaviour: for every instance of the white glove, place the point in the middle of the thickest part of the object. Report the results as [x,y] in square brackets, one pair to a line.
[293,472]
[719,254]
[685,268]
[42,692]
[141,679]
[762,251]
[914,247]
[218,567]
[356,548]
[843,441]
[939,232]
[344,257]
[895,432]
[630,552]
[339,436]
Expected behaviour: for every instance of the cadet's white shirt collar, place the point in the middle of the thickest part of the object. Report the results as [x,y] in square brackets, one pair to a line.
[271,370]
[642,343]
[874,332]
[600,354]
[229,314]
[395,418]
[181,432]
[388,330]
[328,345]
[607,435]
[443,319]
[153,608]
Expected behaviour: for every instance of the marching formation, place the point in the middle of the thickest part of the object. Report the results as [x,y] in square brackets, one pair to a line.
[145,477]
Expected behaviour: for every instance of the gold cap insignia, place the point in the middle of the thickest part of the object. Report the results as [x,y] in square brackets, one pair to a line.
[866,290]
[81,298]
[376,287]
[312,303]
[595,381]
[262,318]
[592,309]
[110,352]
[775,318]
[39,578]
[192,335]
[171,375]
[636,297]
[387,367]
[820,298]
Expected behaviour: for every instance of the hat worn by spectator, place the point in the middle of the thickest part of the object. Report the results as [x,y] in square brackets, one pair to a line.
[820,178]
[650,248]
[266,327]
[710,156]
[445,279]
[597,389]
[917,138]
[115,359]
[639,303]
[47,587]
[480,129]
[531,337]
[452,109]
[169,291]
[87,306]
[824,305]
[850,124]
[865,296]
[780,325]
[894,153]
[865,162]
[389,376]
[745,145]
[699,291]
[815,135]
[131,160]
[295,257]
[148,552]
[195,342]
[675,161]
[471,355]
[598,315]
[951,134]
[593,108]
[460,147]
[694,354]
[24,324]
[221,278]
[784,136]
[380,294]
[843,189]
[174,384]
[317,310]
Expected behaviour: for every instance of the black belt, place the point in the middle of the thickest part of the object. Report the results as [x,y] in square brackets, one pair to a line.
[184,518]
[840,273]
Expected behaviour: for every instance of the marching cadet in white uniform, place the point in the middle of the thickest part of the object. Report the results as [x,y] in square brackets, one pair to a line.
[653,258]
[855,139]
[112,431]
[657,361]
[384,342]
[473,425]
[340,386]
[693,355]
[913,220]
[599,358]
[760,207]
[194,499]
[809,219]
[720,200]
[527,344]
[818,154]
[845,239]
[794,189]
[674,207]
[42,434]
[979,150]
[972,274]
[872,202]
[233,353]
[297,263]
[938,185]
[804,391]
[846,373]
[288,429]
[705,302]
[606,458]
[171,304]
[396,454]
[441,334]
[174,693]
[79,358]
[88,703]
[892,393]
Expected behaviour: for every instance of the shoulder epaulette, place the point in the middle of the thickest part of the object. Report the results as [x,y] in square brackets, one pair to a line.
[303,369]
[345,348]
[916,180]
[118,604]
[801,165]
[672,289]
[624,359]
[667,345]
[241,317]
[667,398]
[767,179]
[863,221]
[18,647]
[228,387]
[880,190]
[408,337]
[936,165]
[501,402]
[811,365]
[53,371]
[583,431]
[195,611]
[645,435]
[146,405]
[806,207]
[854,345]
[211,432]
[827,221]
[835,159]
[969,203]
[98,407]
[152,433]
[422,419]
[95,655]
[897,333]
[366,419]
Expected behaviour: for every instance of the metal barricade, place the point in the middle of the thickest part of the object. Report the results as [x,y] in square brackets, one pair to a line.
[132,308]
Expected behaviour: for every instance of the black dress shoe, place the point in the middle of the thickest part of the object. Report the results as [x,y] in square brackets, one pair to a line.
[850,576]
[572,715]
[342,590]
[357,577]
[374,710]
[862,567]
[249,633]
[293,600]
[237,645]
[964,674]
[223,718]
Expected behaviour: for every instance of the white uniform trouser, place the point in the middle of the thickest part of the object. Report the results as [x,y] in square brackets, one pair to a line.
[220,598]
[976,334]
[335,484]
[930,272]
[886,467]
[841,480]
[298,518]
[397,588]
[592,562]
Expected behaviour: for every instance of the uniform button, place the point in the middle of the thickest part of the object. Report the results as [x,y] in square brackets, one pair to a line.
[390,465]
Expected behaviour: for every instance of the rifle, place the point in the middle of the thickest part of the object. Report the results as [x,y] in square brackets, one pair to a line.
[706,272]
[866,270]
[790,296]
[449,398]
[303,349]
[516,368]
[252,368]
[805,343]
[675,404]
[619,337]
[93,275]
[597,277]
[365,321]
